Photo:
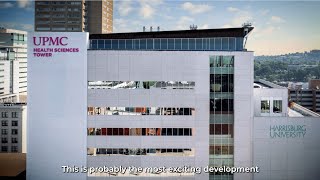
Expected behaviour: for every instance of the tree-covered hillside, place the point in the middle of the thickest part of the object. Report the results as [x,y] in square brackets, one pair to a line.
[290,67]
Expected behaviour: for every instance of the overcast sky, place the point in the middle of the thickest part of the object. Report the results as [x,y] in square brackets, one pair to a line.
[280,27]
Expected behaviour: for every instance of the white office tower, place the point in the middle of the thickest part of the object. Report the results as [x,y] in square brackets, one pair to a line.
[57,104]
[13,65]
[155,100]
[151,100]
[148,102]
[140,99]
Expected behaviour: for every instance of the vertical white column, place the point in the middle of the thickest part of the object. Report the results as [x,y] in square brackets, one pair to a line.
[243,112]
[57,105]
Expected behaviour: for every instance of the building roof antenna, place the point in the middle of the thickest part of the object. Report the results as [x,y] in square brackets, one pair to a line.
[193,27]
[247,25]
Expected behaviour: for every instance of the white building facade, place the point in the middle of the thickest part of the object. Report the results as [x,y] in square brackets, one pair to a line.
[13,128]
[140,99]
[13,65]
[285,142]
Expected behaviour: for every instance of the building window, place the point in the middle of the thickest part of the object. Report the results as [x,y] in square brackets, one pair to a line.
[222,129]
[14,114]
[4,148]
[265,106]
[221,61]
[14,131]
[167,111]
[221,106]
[59,29]
[14,148]
[139,152]
[4,114]
[141,84]
[4,140]
[14,140]
[14,123]
[221,82]
[43,28]
[177,44]
[140,131]
[221,150]
[277,106]
[4,123]
[4,131]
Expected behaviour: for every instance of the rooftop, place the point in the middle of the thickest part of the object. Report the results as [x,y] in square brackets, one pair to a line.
[260,83]
[199,33]
[295,110]
[4,30]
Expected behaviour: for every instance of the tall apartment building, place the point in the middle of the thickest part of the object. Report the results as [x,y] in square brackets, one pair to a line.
[159,99]
[13,65]
[13,127]
[74,16]
[59,16]
[309,97]
[100,16]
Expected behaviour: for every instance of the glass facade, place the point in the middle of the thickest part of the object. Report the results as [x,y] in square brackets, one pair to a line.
[170,44]
[221,113]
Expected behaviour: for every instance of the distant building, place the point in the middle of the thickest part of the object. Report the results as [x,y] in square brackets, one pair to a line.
[13,127]
[59,16]
[300,66]
[100,16]
[307,97]
[13,65]
[74,16]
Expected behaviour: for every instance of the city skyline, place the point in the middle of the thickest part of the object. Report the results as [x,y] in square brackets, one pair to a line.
[280,27]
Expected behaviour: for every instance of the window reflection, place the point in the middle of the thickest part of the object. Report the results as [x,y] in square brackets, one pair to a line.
[222,129]
[141,84]
[221,106]
[265,106]
[277,106]
[221,83]
[140,152]
[221,150]
[221,61]
[140,111]
[139,131]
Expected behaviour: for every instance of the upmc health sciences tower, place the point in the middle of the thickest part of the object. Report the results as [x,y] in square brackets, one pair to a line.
[147,99]
[138,99]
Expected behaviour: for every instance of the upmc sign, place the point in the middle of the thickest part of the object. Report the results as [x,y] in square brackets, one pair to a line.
[57,104]
[50,41]
[48,46]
